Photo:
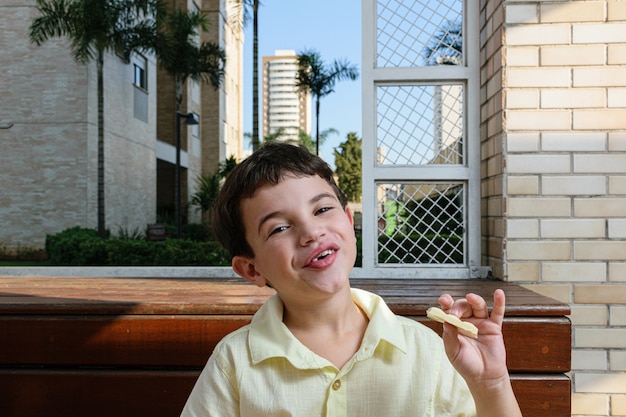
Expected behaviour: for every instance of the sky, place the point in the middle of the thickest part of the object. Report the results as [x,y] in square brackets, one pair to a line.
[331,27]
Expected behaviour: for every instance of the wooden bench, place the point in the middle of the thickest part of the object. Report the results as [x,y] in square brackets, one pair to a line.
[135,346]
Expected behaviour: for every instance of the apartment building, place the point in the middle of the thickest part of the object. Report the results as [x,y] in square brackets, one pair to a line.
[48,131]
[285,109]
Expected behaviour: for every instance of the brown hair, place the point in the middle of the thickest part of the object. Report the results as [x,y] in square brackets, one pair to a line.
[267,165]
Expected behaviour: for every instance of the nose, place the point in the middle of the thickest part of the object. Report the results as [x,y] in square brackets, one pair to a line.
[310,233]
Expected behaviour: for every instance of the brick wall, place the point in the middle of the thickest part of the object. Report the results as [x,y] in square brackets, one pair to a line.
[554,173]
[48,156]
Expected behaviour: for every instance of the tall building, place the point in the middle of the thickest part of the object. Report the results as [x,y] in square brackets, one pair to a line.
[285,109]
[48,131]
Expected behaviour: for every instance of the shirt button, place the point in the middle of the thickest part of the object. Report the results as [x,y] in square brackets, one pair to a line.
[336,385]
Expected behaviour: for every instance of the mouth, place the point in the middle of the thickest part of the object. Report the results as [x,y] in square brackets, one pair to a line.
[323,255]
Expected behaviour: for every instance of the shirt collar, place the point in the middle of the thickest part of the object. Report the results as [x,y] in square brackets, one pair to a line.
[383,325]
[269,337]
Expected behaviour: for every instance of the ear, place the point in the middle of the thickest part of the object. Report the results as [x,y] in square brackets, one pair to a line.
[245,268]
[350,216]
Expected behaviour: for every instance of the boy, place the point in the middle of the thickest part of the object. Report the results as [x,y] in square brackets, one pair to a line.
[319,347]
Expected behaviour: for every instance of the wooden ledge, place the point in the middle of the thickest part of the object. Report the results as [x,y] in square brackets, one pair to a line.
[92,346]
[92,295]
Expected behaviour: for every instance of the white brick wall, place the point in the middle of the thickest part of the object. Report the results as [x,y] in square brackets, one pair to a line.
[564,163]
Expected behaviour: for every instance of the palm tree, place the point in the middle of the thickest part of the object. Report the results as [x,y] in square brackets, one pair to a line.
[446,46]
[180,55]
[95,27]
[182,58]
[304,138]
[243,17]
[208,187]
[315,77]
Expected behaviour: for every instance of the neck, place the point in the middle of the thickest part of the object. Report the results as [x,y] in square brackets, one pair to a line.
[338,311]
[333,329]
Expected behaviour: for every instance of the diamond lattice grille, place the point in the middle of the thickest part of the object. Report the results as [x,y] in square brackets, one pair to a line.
[413,33]
[420,124]
[421,223]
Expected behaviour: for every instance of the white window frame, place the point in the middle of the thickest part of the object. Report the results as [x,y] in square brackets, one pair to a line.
[469,173]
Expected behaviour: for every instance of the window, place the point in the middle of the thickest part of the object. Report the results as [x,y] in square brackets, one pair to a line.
[140,78]
[421,179]
[195,129]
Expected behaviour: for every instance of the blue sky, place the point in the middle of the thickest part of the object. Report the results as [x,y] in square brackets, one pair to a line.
[333,28]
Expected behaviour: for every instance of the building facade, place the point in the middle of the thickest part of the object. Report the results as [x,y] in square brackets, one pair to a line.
[553,173]
[285,110]
[48,131]
[547,125]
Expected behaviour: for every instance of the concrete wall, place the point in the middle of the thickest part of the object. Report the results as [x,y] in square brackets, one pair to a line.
[554,173]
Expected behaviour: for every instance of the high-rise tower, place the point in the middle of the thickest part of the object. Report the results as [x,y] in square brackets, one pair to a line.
[284,107]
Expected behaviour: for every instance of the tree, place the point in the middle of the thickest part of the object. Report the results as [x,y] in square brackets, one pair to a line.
[446,47]
[242,18]
[348,167]
[303,137]
[208,187]
[319,80]
[95,27]
[306,140]
[180,55]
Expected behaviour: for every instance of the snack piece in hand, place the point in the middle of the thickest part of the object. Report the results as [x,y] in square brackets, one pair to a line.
[464,327]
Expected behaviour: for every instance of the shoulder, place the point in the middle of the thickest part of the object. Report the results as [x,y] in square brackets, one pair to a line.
[233,347]
[418,332]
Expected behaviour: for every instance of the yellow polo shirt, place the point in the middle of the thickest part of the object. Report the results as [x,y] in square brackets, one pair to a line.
[262,370]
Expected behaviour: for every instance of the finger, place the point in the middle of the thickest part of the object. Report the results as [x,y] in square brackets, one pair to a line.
[450,336]
[479,306]
[499,304]
[445,301]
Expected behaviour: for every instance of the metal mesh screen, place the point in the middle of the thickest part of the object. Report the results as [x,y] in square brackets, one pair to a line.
[420,124]
[413,33]
[421,223]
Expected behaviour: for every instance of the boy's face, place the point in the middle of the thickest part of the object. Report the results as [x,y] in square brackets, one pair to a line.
[303,240]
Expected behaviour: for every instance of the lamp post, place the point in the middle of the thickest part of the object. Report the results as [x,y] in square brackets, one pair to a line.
[190,119]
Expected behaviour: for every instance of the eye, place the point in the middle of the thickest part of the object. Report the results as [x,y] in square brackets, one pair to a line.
[278,229]
[323,210]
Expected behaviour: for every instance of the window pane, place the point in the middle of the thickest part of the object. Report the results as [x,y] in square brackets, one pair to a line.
[412,33]
[421,223]
[420,124]
[140,77]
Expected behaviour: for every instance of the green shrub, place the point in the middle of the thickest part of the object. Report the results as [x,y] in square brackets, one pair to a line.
[127,252]
[196,232]
[78,246]
[420,249]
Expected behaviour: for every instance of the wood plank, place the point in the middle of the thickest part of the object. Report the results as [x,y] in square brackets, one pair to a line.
[175,341]
[123,341]
[95,393]
[92,295]
[547,351]
[542,396]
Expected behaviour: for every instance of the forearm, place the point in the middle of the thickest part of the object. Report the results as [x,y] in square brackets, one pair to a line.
[496,401]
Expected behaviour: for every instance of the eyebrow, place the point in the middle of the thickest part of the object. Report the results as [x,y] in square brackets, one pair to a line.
[277,213]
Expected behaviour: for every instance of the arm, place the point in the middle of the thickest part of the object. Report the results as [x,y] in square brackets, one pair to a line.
[481,362]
